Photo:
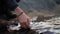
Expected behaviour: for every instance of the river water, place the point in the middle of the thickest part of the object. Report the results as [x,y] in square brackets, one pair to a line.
[52,25]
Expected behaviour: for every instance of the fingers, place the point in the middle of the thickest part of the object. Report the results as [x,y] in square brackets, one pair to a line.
[28,22]
[22,25]
[25,24]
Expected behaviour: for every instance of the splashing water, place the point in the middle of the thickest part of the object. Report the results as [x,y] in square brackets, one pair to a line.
[50,25]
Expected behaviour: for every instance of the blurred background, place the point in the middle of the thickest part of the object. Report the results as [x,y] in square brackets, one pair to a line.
[40,7]
[44,10]
[44,14]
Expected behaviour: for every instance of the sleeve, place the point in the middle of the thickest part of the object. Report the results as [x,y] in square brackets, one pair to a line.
[10,4]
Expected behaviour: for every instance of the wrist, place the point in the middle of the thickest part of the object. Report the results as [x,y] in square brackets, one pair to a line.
[20,14]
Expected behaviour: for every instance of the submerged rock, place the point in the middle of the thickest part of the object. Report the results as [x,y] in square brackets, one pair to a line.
[42,18]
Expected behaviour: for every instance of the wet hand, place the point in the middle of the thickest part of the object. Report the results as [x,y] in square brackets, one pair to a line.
[24,20]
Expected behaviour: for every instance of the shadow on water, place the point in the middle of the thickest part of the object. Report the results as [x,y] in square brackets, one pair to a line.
[4,29]
[21,31]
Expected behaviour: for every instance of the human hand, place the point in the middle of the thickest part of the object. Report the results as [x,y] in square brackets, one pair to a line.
[24,20]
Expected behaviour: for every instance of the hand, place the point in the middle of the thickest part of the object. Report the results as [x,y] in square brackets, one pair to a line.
[24,20]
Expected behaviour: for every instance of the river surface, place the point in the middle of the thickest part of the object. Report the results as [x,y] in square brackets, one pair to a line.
[52,25]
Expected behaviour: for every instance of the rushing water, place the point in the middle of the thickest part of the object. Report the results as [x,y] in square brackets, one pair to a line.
[52,25]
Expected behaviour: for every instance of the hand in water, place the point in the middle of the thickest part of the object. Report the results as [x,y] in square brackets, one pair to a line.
[24,20]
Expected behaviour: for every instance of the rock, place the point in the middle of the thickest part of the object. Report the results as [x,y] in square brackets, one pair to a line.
[42,18]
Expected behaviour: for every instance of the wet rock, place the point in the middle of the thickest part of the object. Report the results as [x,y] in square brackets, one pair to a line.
[42,18]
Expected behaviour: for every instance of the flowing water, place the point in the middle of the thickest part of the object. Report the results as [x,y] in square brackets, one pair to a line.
[52,25]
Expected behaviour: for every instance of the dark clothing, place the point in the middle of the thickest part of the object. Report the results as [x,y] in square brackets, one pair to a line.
[9,4]
[6,6]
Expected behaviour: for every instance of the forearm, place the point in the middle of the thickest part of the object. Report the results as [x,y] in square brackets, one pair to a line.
[22,18]
[18,10]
